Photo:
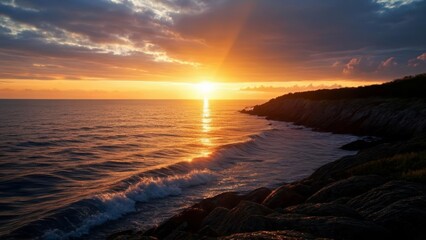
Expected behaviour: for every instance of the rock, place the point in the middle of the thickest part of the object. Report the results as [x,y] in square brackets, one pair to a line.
[226,200]
[361,144]
[397,205]
[188,220]
[324,209]
[303,189]
[342,168]
[374,116]
[349,187]
[405,218]
[380,197]
[329,227]
[208,231]
[215,218]
[257,195]
[266,235]
[342,200]
[179,235]
[283,196]
[237,217]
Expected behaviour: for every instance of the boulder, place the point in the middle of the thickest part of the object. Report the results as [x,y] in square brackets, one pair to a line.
[349,187]
[257,195]
[239,216]
[208,231]
[188,220]
[324,209]
[284,196]
[215,218]
[225,200]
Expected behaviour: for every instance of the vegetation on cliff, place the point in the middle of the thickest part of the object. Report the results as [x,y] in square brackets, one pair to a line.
[407,87]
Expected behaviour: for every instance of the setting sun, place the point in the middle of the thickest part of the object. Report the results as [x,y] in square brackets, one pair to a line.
[206,88]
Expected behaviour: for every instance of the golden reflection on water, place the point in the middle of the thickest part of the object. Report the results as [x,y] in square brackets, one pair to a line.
[206,127]
[206,120]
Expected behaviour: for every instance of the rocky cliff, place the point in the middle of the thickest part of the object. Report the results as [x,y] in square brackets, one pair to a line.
[382,110]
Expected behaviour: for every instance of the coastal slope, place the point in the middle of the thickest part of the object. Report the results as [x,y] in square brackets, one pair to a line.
[394,109]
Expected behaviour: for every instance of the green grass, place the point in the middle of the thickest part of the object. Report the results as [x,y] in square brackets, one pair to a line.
[407,166]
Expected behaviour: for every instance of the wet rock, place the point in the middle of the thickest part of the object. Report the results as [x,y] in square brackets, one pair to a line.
[349,187]
[324,209]
[257,195]
[283,196]
[266,235]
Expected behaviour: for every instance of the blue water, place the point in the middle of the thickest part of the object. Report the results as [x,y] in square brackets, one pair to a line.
[79,169]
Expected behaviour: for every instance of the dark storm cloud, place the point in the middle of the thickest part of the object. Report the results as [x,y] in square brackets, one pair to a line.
[246,39]
[311,35]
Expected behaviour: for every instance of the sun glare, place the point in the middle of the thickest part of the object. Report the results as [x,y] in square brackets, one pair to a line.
[206,88]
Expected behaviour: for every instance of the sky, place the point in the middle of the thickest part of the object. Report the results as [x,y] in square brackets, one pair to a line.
[164,49]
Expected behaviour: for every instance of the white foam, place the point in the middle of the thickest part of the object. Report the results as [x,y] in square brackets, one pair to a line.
[119,203]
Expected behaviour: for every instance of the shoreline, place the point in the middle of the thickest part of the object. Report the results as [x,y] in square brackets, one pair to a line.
[330,203]
[379,193]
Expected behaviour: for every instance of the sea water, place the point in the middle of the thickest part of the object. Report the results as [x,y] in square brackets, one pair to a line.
[89,168]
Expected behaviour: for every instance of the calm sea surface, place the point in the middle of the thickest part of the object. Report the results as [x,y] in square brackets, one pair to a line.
[73,168]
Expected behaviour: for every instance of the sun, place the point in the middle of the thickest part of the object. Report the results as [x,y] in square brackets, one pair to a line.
[206,88]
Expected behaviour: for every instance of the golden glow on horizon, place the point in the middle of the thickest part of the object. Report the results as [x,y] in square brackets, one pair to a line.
[90,89]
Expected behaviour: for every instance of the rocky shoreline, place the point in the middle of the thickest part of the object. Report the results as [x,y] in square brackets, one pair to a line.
[335,202]
[379,193]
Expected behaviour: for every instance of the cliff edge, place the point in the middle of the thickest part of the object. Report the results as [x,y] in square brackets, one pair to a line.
[394,109]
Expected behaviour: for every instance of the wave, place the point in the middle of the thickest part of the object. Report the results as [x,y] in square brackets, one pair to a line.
[115,205]
[78,219]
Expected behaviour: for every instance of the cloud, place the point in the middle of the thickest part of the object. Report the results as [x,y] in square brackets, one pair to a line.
[395,3]
[238,40]
[351,65]
[418,61]
[390,62]
[422,57]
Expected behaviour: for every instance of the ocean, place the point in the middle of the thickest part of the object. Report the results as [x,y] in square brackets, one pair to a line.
[71,169]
